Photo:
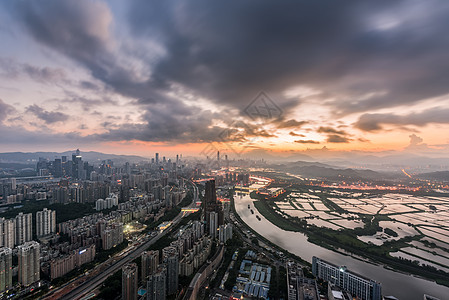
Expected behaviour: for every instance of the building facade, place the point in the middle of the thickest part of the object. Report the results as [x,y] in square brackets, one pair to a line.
[129,281]
[45,222]
[156,284]
[150,263]
[29,263]
[171,261]
[23,228]
[357,285]
[5,269]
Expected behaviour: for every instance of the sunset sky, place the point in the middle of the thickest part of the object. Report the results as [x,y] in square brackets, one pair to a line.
[136,77]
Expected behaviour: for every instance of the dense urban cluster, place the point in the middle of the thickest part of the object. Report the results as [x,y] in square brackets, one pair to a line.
[47,250]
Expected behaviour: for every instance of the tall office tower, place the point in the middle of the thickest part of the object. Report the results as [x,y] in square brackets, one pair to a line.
[57,167]
[7,233]
[127,168]
[77,165]
[24,228]
[150,262]
[357,285]
[171,261]
[156,284]
[45,222]
[129,281]
[177,159]
[5,269]
[29,264]
[210,204]
[218,155]
[213,224]
[157,158]
[210,198]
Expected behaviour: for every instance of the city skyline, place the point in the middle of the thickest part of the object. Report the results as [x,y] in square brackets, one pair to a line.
[140,78]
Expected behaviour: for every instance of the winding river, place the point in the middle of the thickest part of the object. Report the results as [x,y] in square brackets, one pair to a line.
[402,286]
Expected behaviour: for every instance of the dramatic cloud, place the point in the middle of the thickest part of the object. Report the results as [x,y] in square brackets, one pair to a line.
[227,51]
[48,117]
[296,134]
[307,142]
[290,124]
[333,138]
[5,110]
[12,69]
[331,130]
[373,122]
[183,70]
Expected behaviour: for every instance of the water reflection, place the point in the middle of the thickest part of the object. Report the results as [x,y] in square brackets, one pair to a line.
[402,286]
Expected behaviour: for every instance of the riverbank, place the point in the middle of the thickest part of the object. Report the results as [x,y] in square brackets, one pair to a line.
[398,284]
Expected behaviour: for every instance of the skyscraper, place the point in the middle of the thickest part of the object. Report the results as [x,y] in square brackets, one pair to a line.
[45,222]
[156,284]
[150,262]
[157,158]
[129,281]
[210,204]
[5,268]
[24,228]
[57,168]
[7,233]
[29,264]
[213,224]
[171,261]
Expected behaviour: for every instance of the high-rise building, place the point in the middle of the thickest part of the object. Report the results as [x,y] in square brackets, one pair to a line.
[225,233]
[213,224]
[5,268]
[23,228]
[129,281]
[150,262]
[157,158]
[7,233]
[57,168]
[156,284]
[29,264]
[45,222]
[171,261]
[357,285]
[210,204]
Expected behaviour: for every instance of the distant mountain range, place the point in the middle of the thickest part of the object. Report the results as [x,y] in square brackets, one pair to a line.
[319,170]
[387,161]
[30,158]
[440,176]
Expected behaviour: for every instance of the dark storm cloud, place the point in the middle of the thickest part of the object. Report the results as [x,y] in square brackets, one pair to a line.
[48,117]
[86,103]
[296,134]
[373,122]
[81,30]
[17,135]
[290,124]
[5,110]
[307,142]
[323,129]
[164,122]
[12,69]
[333,138]
[228,50]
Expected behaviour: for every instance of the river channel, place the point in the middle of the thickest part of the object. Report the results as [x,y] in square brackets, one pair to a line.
[402,286]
